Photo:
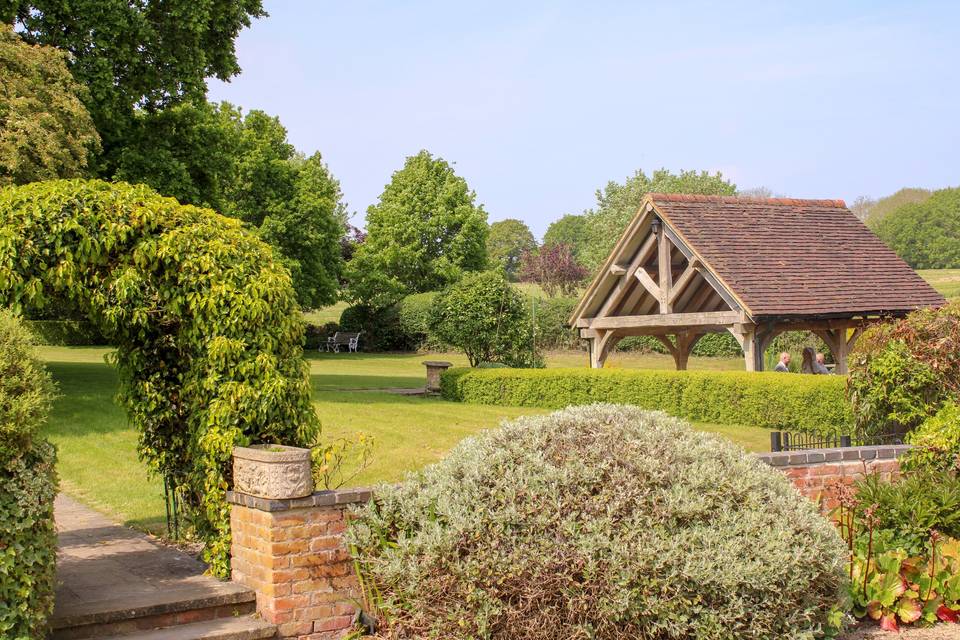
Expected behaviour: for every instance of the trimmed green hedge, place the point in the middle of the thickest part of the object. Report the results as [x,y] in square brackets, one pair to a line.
[28,542]
[65,333]
[793,402]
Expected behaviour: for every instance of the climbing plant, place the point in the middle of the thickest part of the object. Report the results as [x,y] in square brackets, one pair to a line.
[204,319]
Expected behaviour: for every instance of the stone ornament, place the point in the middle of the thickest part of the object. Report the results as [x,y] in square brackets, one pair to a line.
[272,471]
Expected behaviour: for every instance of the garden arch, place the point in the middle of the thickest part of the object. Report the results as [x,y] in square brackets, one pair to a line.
[687,265]
[204,319]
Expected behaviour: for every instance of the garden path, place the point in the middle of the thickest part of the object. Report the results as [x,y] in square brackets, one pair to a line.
[115,579]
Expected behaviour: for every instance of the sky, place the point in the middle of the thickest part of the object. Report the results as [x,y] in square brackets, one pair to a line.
[539,104]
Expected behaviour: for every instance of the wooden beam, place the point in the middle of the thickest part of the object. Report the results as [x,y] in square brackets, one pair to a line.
[617,293]
[649,284]
[683,281]
[662,320]
[707,275]
[617,270]
[665,267]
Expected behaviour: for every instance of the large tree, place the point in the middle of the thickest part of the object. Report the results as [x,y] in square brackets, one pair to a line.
[244,167]
[45,131]
[507,241]
[425,231]
[617,203]
[570,230]
[147,54]
[926,234]
[874,211]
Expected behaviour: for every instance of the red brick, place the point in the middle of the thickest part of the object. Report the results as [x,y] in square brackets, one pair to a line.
[333,624]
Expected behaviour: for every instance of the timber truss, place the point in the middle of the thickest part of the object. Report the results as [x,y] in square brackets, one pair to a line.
[655,284]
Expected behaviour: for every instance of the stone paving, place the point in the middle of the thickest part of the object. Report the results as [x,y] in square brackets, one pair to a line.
[107,572]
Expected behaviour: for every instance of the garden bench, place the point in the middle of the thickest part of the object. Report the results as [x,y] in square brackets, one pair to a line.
[343,339]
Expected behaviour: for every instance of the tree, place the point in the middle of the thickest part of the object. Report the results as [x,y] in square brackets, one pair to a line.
[570,230]
[145,55]
[507,241]
[45,131]
[617,204]
[425,231]
[861,207]
[244,166]
[554,268]
[307,230]
[883,207]
[485,317]
[926,234]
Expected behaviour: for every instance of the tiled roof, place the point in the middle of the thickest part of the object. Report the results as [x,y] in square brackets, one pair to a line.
[783,256]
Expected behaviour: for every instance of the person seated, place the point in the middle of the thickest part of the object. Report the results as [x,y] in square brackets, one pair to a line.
[809,357]
[819,366]
[783,364]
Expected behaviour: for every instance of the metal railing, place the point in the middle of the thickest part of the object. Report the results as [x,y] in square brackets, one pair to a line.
[788,441]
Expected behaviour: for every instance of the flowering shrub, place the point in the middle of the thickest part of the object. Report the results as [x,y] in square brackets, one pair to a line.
[598,522]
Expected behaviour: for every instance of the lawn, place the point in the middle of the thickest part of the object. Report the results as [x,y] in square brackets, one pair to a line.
[98,460]
[946,281]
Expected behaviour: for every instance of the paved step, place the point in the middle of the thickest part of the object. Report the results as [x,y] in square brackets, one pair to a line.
[114,580]
[240,628]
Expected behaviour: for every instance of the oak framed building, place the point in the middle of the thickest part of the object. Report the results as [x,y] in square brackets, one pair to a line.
[688,265]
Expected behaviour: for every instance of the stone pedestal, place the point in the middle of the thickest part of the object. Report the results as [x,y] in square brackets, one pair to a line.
[293,554]
[434,369]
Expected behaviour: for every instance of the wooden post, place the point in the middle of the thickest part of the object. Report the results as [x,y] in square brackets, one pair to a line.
[746,335]
[664,263]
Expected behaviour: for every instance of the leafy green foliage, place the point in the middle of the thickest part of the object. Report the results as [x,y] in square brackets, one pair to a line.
[205,322]
[422,235]
[554,268]
[602,522]
[45,131]
[875,211]
[570,230]
[28,485]
[244,166]
[911,507]
[618,203]
[379,328]
[134,55]
[507,241]
[414,313]
[901,373]
[812,404]
[551,323]
[26,389]
[926,234]
[936,443]
[28,541]
[483,316]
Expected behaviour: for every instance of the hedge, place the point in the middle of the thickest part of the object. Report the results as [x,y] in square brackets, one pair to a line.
[66,333]
[793,402]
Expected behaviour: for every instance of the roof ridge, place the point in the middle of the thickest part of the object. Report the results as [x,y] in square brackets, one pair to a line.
[688,197]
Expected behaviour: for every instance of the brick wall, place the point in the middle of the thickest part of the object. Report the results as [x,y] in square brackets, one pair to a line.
[816,472]
[292,553]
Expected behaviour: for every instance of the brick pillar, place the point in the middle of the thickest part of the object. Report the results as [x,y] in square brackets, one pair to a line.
[816,472]
[293,554]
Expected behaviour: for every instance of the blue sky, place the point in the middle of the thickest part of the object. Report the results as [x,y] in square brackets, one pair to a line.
[541,103]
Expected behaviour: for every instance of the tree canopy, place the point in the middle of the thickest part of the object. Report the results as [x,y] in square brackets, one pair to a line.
[925,234]
[244,167]
[136,55]
[874,211]
[45,130]
[425,231]
[570,230]
[507,241]
[554,268]
[617,203]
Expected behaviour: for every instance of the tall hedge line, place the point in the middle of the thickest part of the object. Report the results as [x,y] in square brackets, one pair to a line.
[28,484]
[814,404]
[66,333]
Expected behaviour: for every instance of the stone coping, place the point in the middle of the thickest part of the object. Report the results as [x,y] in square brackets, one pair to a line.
[317,499]
[840,454]
[438,363]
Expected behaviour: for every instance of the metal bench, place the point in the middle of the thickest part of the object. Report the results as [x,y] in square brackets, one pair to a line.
[343,339]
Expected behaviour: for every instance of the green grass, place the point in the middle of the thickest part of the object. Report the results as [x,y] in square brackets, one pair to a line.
[946,281]
[99,464]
